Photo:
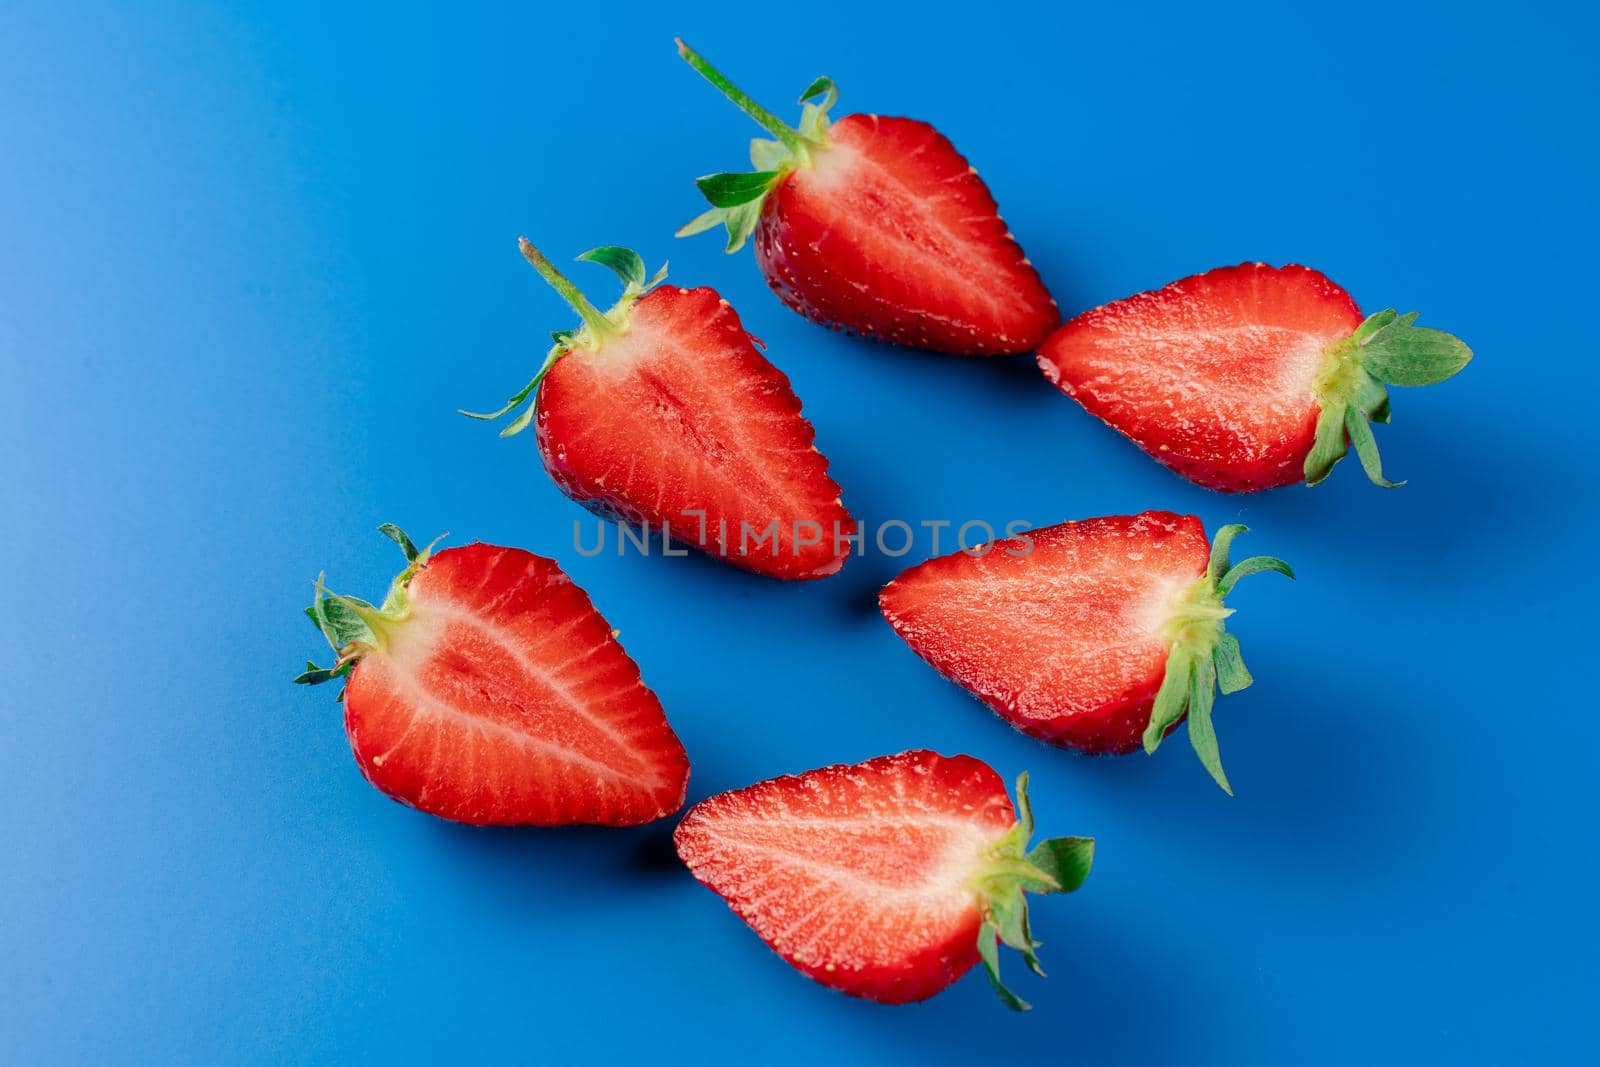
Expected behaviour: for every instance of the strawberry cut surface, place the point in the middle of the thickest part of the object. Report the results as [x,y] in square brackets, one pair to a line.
[1066,641]
[1216,375]
[877,226]
[681,414]
[891,234]
[858,875]
[502,697]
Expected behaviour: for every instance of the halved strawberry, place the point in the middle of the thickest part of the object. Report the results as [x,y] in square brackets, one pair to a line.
[1247,377]
[877,226]
[1091,635]
[886,879]
[486,689]
[661,411]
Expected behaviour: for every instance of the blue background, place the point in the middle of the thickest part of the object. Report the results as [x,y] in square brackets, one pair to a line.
[255,255]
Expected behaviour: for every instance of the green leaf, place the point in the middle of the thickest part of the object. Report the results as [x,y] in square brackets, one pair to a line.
[814,116]
[523,394]
[741,223]
[732,190]
[562,346]
[313,675]
[738,199]
[1403,354]
[1171,699]
[1367,449]
[1007,912]
[1254,565]
[398,536]
[1372,324]
[823,87]
[520,423]
[701,223]
[1371,398]
[1024,806]
[1220,549]
[1231,673]
[1066,859]
[989,951]
[1380,411]
[339,622]
[1009,915]
[1011,871]
[1202,693]
[625,263]
[1329,447]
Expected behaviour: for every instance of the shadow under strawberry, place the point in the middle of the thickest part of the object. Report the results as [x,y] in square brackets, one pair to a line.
[560,858]
[1467,503]
[1325,778]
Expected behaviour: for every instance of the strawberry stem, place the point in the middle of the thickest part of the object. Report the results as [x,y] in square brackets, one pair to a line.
[592,317]
[768,121]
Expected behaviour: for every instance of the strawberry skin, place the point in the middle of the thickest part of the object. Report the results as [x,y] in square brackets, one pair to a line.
[1092,635]
[1247,377]
[681,415]
[1064,642]
[489,691]
[890,234]
[877,226]
[878,879]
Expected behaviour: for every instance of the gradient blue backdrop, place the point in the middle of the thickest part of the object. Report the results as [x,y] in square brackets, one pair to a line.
[254,255]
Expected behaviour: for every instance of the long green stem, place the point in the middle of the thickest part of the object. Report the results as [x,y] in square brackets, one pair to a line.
[769,122]
[592,316]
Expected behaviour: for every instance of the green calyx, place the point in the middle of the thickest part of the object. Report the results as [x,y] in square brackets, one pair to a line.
[1056,865]
[736,198]
[355,627]
[597,328]
[1202,656]
[1352,390]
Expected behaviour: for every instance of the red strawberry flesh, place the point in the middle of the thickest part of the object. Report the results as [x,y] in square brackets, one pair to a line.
[503,697]
[891,234]
[1215,375]
[681,414]
[1064,642]
[858,875]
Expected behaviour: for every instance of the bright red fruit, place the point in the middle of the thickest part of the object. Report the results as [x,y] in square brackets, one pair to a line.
[662,412]
[1246,377]
[886,879]
[486,689]
[877,226]
[1092,635]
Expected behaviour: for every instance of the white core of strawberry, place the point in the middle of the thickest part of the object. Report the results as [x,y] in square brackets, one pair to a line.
[836,168]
